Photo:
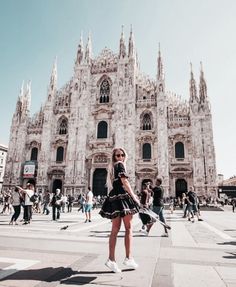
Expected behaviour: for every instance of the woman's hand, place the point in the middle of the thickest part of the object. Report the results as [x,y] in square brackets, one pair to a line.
[136,199]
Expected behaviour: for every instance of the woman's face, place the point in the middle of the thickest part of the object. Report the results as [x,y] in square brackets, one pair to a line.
[119,155]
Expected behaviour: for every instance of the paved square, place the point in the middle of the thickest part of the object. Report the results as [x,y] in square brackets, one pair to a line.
[195,254]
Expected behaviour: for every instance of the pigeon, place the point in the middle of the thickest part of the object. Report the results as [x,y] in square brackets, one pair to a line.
[64,227]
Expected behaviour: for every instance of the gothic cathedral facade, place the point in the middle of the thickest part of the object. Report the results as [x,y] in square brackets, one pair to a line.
[109,103]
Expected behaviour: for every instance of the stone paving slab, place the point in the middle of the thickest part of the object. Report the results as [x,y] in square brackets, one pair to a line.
[228,274]
[196,276]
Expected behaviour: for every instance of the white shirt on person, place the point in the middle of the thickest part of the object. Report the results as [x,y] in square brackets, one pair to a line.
[28,194]
[89,197]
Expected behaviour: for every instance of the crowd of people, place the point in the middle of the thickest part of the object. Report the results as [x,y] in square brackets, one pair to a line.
[29,201]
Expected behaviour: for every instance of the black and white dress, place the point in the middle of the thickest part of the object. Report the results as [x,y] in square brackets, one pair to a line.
[119,202]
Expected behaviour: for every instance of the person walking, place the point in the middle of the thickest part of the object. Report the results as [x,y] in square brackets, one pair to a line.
[193,204]
[120,205]
[88,205]
[6,204]
[56,205]
[16,203]
[158,202]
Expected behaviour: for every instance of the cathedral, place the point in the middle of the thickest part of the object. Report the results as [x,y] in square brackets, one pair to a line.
[107,103]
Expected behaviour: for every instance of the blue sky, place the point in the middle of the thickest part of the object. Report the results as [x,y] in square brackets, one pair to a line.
[33,32]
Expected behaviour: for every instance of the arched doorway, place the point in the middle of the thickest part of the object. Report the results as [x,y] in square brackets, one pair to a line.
[57,183]
[99,182]
[180,187]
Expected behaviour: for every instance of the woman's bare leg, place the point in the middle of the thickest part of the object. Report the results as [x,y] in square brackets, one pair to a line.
[128,234]
[116,223]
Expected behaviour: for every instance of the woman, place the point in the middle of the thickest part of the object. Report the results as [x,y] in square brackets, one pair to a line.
[119,206]
[16,203]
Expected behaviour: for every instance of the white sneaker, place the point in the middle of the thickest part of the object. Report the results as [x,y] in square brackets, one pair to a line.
[112,265]
[129,262]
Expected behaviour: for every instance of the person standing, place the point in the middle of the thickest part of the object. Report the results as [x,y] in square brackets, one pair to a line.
[70,200]
[28,193]
[233,202]
[146,219]
[158,202]
[120,205]
[16,203]
[46,201]
[56,205]
[88,205]
[81,201]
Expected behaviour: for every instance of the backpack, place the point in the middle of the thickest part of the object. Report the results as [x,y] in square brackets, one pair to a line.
[33,198]
[192,197]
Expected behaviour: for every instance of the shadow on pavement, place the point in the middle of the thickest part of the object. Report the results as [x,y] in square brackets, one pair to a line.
[65,221]
[104,272]
[48,274]
[232,256]
[227,243]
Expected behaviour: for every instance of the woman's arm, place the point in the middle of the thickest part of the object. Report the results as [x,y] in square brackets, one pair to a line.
[128,188]
[21,190]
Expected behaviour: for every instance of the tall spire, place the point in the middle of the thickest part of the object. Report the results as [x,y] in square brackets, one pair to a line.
[160,72]
[202,86]
[21,91]
[20,99]
[192,86]
[80,52]
[53,79]
[28,96]
[88,51]
[131,44]
[122,52]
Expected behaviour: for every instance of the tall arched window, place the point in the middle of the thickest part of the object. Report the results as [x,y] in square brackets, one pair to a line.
[102,130]
[179,150]
[34,153]
[60,154]
[63,126]
[147,152]
[147,122]
[104,91]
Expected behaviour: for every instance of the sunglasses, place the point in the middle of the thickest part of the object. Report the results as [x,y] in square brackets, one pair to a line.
[120,155]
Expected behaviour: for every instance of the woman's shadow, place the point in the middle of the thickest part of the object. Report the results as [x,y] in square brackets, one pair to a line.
[48,274]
